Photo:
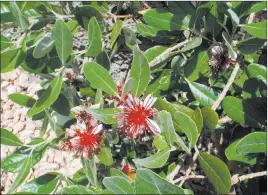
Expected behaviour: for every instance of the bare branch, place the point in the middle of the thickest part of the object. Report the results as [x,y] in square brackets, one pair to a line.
[165,53]
[236,179]
[190,167]
[189,177]
[226,88]
[225,120]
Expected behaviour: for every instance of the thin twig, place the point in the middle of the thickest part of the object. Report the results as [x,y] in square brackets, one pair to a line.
[189,177]
[225,120]
[118,16]
[145,5]
[190,167]
[226,88]
[173,173]
[236,178]
[8,25]
[163,55]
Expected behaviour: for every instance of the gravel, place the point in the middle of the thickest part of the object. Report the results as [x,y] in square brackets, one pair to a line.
[13,118]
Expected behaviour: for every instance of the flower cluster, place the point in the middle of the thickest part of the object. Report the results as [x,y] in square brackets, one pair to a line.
[134,121]
[85,138]
[135,117]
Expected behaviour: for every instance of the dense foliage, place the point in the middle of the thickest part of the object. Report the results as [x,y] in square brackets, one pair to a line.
[198,77]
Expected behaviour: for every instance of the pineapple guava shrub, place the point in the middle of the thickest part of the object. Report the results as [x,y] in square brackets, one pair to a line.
[200,77]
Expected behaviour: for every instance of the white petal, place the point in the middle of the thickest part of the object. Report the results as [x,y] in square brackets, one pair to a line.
[97,129]
[154,127]
[129,101]
[121,122]
[75,141]
[95,106]
[82,126]
[71,132]
[149,101]
[78,109]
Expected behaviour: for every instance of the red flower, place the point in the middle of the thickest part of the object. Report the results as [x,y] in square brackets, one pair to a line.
[84,140]
[135,118]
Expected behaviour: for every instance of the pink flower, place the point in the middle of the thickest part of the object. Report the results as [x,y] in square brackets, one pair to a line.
[135,118]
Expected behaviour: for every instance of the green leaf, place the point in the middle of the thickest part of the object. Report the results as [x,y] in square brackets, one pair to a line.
[160,143]
[154,161]
[103,59]
[105,156]
[258,6]
[247,112]
[75,189]
[47,64]
[130,37]
[11,59]
[63,40]
[154,52]
[100,78]
[161,83]
[20,18]
[62,105]
[106,115]
[101,6]
[87,92]
[127,87]
[22,174]
[231,52]
[148,182]
[21,99]
[94,38]
[90,170]
[73,26]
[253,88]
[258,71]
[83,15]
[212,19]
[48,97]
[140,72]
[188,126]
[161,104]
[205,95]
[118,185]
[116,30]
[169,131]
[256,29]
[8,138]
[44,184]
[198,119]
[165,20]
[6,17]
[250,45]
[197,65]
[195,42]
[252,143]
[14,161]
[80,176]
[210,118]
[5,42]
[156,34]
[216,171]
[181,6]
[43,47]
[116,172]
[231,154]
